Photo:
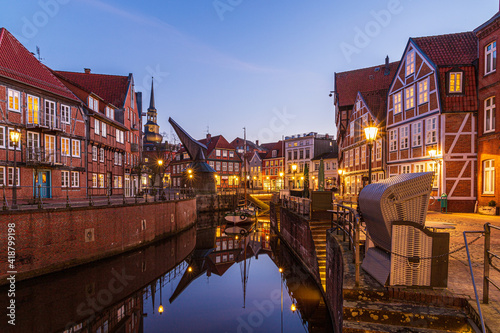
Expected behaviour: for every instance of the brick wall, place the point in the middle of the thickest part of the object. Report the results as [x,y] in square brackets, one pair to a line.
[51,240]
[334,280]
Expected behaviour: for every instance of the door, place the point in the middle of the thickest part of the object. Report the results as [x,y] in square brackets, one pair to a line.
[50,148]
[33,147]
[42,184]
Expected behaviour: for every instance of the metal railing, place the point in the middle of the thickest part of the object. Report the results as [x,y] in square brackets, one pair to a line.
[349,222]
[301,206]
[488,263]
[46,120]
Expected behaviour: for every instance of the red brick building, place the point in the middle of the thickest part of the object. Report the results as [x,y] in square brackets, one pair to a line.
[51,154]
[273,170]
[114,130]
[488,183]
[432,106]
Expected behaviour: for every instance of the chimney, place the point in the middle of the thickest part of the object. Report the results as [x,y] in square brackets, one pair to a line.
[256,142]
[87,70]
[387,69]
[209,137]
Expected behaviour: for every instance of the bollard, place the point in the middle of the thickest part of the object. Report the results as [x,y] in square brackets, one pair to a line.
[487,262]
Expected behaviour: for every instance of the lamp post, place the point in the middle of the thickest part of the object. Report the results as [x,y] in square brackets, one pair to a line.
[371,135]
[294,170]
[341,172]
[160,164]
[15,136]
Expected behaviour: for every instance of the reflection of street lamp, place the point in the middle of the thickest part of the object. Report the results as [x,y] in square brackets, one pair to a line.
[294,170]
[281,283]
[15,136]
[371,135]
[160,308]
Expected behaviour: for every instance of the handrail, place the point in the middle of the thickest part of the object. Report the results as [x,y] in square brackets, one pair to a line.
[472,277]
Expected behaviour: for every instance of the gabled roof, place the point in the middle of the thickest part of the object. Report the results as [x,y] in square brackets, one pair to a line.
[376,101]
[239,142]
[487,23]
[278,146]
[111,88]
[451,49]
[17,63]
[217,141]
[348,84]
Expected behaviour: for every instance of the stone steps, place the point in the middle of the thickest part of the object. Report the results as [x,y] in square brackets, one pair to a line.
[360,327]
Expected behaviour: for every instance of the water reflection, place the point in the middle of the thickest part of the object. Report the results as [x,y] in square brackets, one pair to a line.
[212,278]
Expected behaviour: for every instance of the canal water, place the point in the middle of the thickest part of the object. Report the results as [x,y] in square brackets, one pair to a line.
[211,278]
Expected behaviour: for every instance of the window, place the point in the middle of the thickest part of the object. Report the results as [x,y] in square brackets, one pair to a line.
[410,63]
[119,137]
[217,152]
[94,153]
[351,158]
[489,114]
[2,176]
[110,113]
[455,80]
[65,114]
[120,313]
[307,154]
[217,166]
[14,97]
[403,136]
[432,167]
[489,177]
[96,126]
[294,154]
[101,180]
[230,167]
[93,104]
[50,148]
[423,91]
[397,103]
[301,154]
[101,155]
[11,177]
[64,178]
[94,180]
[75,148]
[289,155]
[236,167]
[224,153]
[356,157]
[351,129]
[50,113]
[393,140]
[75,179]
[2,137]
[419,167]
[231,154]
[405,169]
[417,134]
[103,129]
[410,98]
[431,130]
[33,110]
[224,166]
[379,150]
[65,147]
[490,58]
[363,155]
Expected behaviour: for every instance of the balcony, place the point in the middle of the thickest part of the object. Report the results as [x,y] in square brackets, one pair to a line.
[134,147]
[46,122]
[40,156]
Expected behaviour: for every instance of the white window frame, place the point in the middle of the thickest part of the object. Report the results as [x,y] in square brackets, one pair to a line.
[398,103]
[393,140]
[101,155]
[410,63]
[33,110]
[356,156]
[490,58]
[410,97]
[217,152]
[363,154]
[104,129]
[403,137]
[488,177]
[96,126]
[224,153]
[64,178]
[423,91]
[65,114]
[419,167]
[431,130]
[93,104]
[453,78]
[2,137]
[94,180]
[379,150]
[15,95]
[351,158]
[10,176]
[75,148]
[75,179]
[217,166]
[489,114]
[65,147]
[406,168]
[2,176]
[94,153]
[100,177]
[416,134]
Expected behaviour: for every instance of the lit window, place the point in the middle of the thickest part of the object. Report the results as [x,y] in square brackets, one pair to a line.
[393,140]
[33,110]
[417,134]
[65,148]
[455,82]
[403,137]
[397,103]
[363,154]
[75,148]
[94,180]
[423,91]
[2,137]
[489,114]
[489,177]
[405,169]
[410,63]
[410,97]
[14,104]
[419,167]
[431,130]
[490,58]
[101,180]
[379,149]
[356,157]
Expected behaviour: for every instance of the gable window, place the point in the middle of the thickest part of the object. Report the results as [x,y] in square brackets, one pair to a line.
[33,110]
[65,114]
[409,97]
[96,126]
[363,154]
[65,148]
[397,103]
[489,177]
[217,152]
[490,56]
[423,91]
[455,81]
[431,130]
[489,114]
[404,137]
[410,63]
[14,97]
[393,140]
[417,134]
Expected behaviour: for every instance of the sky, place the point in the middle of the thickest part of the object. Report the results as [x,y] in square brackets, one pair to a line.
[221,65]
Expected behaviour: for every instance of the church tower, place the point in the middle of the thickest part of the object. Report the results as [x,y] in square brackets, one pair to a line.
[151,129]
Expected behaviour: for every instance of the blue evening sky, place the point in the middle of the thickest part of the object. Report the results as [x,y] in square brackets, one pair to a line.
[227,64]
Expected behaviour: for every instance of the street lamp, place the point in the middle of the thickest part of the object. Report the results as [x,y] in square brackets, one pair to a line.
[294,169]
[15,136]
[160,164]
[371,135]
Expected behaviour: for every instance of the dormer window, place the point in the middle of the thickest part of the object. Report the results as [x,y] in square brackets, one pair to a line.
[455,82]
[110,113]
[275,153]
[93,104]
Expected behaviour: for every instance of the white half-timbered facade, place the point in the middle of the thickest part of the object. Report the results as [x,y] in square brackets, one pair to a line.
[432,107]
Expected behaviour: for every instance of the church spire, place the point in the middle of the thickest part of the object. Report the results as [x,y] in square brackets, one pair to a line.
[152,100]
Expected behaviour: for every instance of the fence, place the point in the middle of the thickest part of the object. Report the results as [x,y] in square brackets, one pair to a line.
[301,206]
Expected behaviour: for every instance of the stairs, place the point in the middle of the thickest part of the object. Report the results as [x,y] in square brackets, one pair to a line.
[318,231]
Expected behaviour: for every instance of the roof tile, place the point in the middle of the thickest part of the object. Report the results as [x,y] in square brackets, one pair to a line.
[451,49]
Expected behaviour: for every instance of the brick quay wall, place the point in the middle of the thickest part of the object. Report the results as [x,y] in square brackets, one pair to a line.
[54,239]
